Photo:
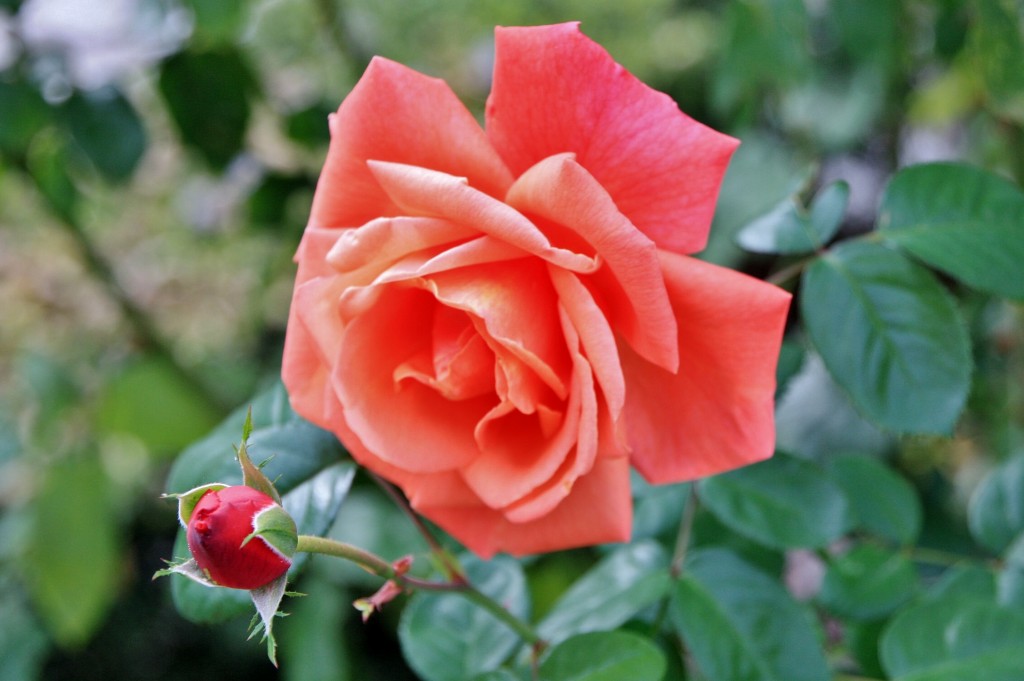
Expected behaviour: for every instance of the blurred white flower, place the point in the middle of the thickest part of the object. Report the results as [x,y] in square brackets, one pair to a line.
[100,42]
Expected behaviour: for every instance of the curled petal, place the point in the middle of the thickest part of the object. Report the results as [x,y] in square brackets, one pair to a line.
[555,91]
[397,114]
[419,191]
[716,413]
[562,191]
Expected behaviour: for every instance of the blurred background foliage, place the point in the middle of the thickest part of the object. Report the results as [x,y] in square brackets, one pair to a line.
[157,162]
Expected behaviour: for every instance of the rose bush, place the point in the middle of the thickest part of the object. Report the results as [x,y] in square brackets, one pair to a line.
[502,321]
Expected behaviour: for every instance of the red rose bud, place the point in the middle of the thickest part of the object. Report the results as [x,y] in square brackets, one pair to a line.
[240,537]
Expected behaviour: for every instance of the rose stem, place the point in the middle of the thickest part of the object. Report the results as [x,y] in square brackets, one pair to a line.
[675,569]
[380,567]
[448,563]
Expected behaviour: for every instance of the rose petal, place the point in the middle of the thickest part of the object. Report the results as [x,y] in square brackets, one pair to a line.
[555,90]
[396,114]
[561,190]
[595,334]
[420,191]
[716,413]
[385,240]
[407,424]
[599,510]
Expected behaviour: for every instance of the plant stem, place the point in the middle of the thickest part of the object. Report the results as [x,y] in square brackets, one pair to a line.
[448,564]
[791,272]
[683,536]
[380,567]
[141,323]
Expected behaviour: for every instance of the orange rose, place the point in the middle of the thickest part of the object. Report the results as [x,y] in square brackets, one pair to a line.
[501,322]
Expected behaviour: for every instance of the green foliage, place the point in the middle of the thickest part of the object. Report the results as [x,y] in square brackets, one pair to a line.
[740,624]
[890,335]
[882,502]
[208,95]
[72,554]
[784,502]
[789,229]
[107,128]
[868,583]
[445,637]
[961,220]
[603,656]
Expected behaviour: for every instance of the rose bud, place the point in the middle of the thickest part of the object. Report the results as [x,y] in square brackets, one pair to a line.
[240,537]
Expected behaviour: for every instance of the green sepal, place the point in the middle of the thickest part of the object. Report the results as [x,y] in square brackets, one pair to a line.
[252,476]
[274,526]
[267,599]
[190,568]
[187,500]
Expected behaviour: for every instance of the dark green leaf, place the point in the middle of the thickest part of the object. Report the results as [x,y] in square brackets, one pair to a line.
[965,582]
[445,637]
[962,220]
[309,126]
[107,128]
[741,625]
[47,163]
[890,335]
[616,589]
[951,640]
[24,114]
[997,48]
[883,502]
[218,20]
[784,502]
[996,510]
[604,656]
[208,94]
[73,557]
[867,583]
[791,229]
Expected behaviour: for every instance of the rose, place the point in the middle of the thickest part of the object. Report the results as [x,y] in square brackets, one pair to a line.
[239,537]
[502,322]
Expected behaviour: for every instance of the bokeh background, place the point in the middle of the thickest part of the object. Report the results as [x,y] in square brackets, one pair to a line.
[157,162]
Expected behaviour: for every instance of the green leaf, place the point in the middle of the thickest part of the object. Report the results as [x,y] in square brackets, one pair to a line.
[293,448]
[74,553]
[47,163]
[966,581]
[107,128]
[208,95]
[217,21]
[23,644]
[995,514]
[951,640]
[790,229]
[310,646]
[882,501]
[24,113]
[445,637]
[604,656]
[890,335]
[867,583]
[656,508]
[997,50]
[784,502]
[959,219]
[741,625]
[612,592]
[149,400]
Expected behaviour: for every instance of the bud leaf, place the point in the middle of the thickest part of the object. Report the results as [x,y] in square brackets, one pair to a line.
[190,569]
[187,500]
[267,599]
[252,476]
[277,529]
